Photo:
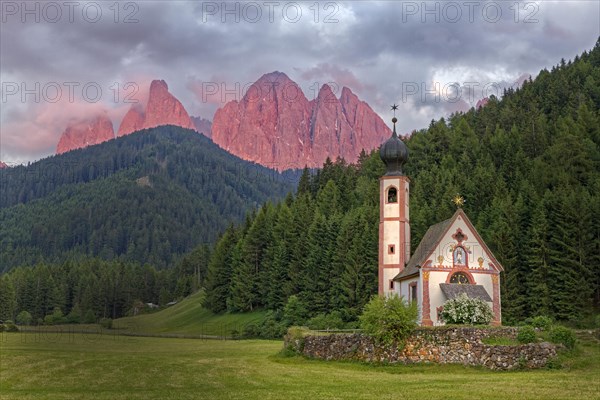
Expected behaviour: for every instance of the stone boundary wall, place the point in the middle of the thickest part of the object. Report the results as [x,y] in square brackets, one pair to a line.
[429,345]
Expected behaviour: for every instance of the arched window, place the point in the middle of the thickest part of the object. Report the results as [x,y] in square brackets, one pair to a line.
[392,195]
[460,278]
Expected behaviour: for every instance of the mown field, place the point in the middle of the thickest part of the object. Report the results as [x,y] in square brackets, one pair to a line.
[188,317]
[84,366]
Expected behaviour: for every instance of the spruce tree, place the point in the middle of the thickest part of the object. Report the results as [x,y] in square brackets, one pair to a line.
[537,260]
[279,254]
[8,301]
[569,278]
[315,282]
[219,272]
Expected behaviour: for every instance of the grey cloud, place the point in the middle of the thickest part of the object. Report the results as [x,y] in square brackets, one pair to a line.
[375,42]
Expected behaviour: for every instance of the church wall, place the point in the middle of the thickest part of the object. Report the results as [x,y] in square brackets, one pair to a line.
[391,235]
[404,291]
[388,275]
[436,297]
[486,281]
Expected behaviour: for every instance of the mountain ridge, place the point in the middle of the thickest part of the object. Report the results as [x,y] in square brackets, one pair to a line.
[274,124]
[282,129]
[85,133]
[162,108]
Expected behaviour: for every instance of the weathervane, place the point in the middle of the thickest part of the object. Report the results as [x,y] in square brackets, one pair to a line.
[458,200]
[394,120]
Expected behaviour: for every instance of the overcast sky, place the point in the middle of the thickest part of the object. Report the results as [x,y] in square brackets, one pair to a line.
[413,53]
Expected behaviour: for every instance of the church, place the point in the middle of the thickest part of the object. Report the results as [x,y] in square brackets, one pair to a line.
[451,258]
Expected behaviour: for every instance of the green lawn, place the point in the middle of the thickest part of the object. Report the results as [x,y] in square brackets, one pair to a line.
[78,366]
[188,317]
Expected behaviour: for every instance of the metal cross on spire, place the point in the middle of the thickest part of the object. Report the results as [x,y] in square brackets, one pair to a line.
[458,200]
[394,120]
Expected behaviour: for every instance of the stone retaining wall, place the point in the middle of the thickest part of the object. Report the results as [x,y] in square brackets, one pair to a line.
[437,345]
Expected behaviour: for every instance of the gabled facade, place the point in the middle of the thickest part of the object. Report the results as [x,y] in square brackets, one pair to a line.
[450,260]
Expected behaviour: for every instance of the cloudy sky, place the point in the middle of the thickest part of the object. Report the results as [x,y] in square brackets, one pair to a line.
[64,61]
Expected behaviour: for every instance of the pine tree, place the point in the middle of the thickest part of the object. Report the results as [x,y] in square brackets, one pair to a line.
[248,267]
[279,257]
[344,241]
[328,200]
[242,294]
[317,264]
[359,277]
[219,272]
[537,259]
[8,300]
[570,281]
[304,186]
[302,214]
[505,229]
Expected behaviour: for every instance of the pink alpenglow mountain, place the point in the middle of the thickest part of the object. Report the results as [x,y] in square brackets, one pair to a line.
[162,109]
[202,125]
[482,103]
[132,121]
[3,165]
[86,133]
[275,125]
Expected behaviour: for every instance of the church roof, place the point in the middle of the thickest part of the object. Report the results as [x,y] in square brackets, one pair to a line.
[432,238]
[394,154]
[452,290]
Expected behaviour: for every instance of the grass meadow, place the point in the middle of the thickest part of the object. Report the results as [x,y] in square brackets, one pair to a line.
[103,366]
[188,317]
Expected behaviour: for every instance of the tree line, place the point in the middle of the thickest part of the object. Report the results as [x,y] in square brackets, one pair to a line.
[84,289]
[528,166]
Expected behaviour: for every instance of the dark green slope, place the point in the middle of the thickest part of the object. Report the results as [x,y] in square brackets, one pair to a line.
[147,197]
[528,166]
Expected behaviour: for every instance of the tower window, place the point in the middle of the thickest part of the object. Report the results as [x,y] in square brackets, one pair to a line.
[391,284]
[391,249]
[392,196]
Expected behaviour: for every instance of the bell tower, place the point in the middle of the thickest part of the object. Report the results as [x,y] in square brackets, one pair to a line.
[394,226]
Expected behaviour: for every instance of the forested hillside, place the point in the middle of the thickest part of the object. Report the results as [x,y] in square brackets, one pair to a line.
[148,197]
[528,167]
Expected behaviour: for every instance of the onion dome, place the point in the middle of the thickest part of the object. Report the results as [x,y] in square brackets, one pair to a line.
[394,153]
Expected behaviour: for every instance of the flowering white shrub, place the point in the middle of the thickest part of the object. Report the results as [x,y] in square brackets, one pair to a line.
[465,310]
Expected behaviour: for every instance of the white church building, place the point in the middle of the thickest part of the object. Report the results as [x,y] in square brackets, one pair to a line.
[451,258]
